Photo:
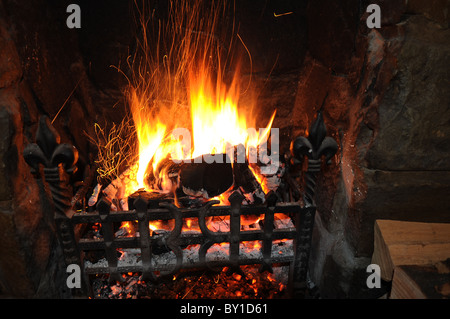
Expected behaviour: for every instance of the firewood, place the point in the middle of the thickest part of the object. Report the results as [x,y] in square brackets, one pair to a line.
[200,178]
[94,197]
[420,282]
[165,176]
[197,178]
[205,177]
[398,243]
[153,198]
[246,180]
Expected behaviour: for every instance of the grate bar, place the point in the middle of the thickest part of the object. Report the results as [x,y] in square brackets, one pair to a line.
[215,265]
[108,238]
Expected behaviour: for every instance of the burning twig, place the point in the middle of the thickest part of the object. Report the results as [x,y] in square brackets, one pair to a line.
[114,149]
[94,197]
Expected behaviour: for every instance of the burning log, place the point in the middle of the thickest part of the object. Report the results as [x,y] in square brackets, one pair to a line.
[207,176]
[246,180]
[191,183]
[202,177]
[207,180]
[164,177]
[153,198]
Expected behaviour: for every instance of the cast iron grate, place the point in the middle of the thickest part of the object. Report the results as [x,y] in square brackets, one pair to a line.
[59,162]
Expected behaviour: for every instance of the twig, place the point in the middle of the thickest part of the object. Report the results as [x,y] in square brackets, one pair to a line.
[192,286]
[66,100]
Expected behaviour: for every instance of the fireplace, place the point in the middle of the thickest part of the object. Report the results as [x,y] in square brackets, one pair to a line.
[154,248]
[380,92]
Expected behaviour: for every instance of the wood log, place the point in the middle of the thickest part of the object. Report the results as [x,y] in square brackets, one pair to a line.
[244,179]
[165,176]
[200,178]
[398,243]
[421,282]
[205,176]
[153,198]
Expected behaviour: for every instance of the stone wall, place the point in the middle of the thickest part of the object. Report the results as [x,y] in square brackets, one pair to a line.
[389,110]
[30,263]
[42,72]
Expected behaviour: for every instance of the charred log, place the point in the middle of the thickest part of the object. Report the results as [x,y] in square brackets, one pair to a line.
[205,176]
[201,178]
[208,176]
[164,177]
[153,198]
[246,181]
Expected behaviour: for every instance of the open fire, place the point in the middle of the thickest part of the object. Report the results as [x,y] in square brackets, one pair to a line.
[184,85]
[158,239]
[193,137]
[195,140]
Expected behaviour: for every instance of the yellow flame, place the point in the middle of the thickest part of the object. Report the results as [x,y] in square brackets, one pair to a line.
[181,82]
[216,121]
[150,132]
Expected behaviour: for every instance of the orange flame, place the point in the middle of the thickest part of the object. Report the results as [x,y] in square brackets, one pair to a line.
[181,83]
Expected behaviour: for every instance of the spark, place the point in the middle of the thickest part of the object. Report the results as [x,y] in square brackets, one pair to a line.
[282,14]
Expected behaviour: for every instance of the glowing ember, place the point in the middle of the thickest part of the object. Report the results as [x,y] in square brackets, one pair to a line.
[207,286]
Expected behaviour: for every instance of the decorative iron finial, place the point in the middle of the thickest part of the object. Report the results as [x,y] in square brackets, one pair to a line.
[316,145]
[48,150]
[59,161]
